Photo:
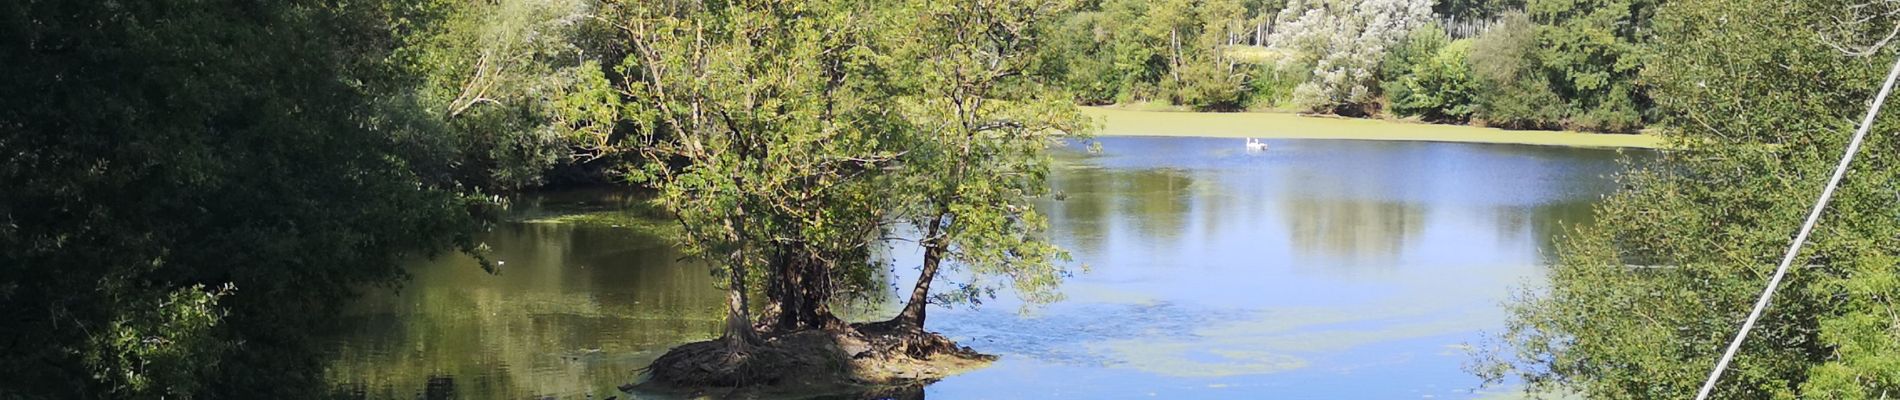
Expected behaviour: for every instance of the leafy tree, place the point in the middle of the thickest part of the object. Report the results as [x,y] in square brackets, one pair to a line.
[1418,46]
[1344,41]
[983,129]
[1474,10]
[1082,51]
[1757,99]
[758,120]
[1441,88]
[507,83]
[1136,50]
[1210,79]
[1592,51]
[1515,94]
[192,188]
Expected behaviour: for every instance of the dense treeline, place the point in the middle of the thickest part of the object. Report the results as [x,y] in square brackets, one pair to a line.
[193,187]
[196,187]
[1539,64]
[1759,98]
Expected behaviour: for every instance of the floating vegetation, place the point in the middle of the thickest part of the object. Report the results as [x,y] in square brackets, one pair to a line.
[629,220]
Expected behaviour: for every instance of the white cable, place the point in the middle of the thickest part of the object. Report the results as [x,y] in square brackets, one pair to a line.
[1801,238]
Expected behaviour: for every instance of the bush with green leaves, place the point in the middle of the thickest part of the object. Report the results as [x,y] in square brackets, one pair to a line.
[1209,87]
[1514,93]
[1270,86]
[1418,46]
[166,149]
[1440,89]
[1757,100]
[1123,51]
[1344,41]
[504,88]
[1591,52]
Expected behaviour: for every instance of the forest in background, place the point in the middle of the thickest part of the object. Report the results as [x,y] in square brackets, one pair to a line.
[1514,64]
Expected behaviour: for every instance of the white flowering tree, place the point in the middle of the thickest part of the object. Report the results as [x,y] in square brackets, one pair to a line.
[1343,41]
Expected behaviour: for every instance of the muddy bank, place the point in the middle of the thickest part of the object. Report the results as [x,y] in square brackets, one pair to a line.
[878,360]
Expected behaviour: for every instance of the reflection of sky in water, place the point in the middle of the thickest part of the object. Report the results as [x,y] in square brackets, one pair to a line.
[1318,269]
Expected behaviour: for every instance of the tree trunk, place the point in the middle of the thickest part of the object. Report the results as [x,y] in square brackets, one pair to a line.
[1174,62]
[933,257]
[739,332]
[800,294]
[1260,34]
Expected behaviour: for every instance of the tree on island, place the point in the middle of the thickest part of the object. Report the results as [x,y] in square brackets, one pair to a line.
[787,136]
[758,121]
[984,125]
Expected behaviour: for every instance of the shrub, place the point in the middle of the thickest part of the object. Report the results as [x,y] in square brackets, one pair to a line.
[1512,91]
[1418,46]
[1206,86]
[1271,86]
[1344,41]
[1440,89]
[1519,104]
[1590,51]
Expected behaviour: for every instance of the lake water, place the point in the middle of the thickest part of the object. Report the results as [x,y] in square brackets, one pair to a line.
[1316,269]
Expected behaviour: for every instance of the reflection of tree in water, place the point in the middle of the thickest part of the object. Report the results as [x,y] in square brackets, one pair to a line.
[1080,217]
[439,388]
[1353,230]
[573,310]
[1157,200]
[1545,224]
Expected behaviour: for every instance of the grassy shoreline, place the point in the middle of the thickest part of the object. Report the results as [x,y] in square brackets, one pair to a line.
[1121,122]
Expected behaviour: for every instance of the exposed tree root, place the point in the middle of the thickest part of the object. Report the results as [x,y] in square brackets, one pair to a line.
[863,358]
[896,337]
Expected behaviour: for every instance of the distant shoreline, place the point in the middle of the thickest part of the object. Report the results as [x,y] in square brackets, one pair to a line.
[1273,125]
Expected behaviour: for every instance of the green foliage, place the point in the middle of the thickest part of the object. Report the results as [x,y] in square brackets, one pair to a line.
[1592,51]
[1137,50]
[1271,86]
[1419,46]
[1474,10]
[1416,48]
[761,124]
[979,154]
[502,82]
[785,136]
[169,148]
[1344,41]
[1441,88]
[1515,94]
[1100,55]
[1569,64]
[1758,113]
[164,349]
[1209,87]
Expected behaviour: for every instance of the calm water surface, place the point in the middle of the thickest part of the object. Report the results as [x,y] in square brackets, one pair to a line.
[1317,269]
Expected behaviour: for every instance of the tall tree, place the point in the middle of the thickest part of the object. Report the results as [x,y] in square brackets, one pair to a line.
[984,126]
[1343,41]
[758,120]
[1592,51]
[1758,99]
